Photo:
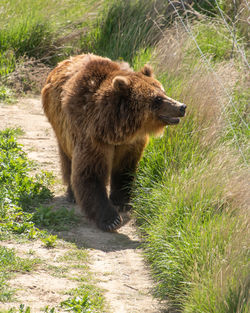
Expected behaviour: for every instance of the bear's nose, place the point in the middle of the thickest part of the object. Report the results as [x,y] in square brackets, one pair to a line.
[183,109]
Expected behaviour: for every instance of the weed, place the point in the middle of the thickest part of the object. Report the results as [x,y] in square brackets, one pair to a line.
[26,309]
[60,219]
[18,190]
[17,186]
[49,241]
[79,304]
[21,309]
[86,298]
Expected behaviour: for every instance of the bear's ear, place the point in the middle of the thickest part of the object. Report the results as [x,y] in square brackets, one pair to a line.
[121,83]
[147,70]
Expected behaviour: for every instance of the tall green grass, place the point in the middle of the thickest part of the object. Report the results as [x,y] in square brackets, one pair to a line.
[46,30]
[124,27]
[191,191]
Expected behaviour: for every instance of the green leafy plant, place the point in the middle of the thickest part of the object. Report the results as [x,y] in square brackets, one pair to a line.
[60,219]
[78,304]
[49,241]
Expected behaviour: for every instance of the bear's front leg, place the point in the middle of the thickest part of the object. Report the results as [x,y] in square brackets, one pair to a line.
[125,161]
[90,173]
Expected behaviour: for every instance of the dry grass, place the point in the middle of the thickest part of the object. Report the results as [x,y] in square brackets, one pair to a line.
[204,86]
[28,76]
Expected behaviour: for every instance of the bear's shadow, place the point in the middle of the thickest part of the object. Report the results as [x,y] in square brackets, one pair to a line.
[85,234]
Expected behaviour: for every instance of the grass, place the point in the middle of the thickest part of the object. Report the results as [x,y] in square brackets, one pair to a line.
[118,36]
[44,30]
[10,263]
[191,189]
[191,192]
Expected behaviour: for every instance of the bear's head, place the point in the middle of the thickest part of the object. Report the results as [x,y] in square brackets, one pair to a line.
[128,104]
[144,96]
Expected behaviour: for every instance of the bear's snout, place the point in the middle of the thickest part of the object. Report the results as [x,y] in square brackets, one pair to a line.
[182,109]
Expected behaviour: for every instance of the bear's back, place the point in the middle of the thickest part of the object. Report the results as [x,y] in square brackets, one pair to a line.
[69,87]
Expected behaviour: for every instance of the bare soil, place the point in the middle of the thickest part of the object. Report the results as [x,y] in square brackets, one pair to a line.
[115,258]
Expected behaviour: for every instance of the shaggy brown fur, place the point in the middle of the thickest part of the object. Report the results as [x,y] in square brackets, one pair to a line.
[102,113]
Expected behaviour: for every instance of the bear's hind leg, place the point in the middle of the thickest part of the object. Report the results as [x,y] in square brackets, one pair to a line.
[66,173]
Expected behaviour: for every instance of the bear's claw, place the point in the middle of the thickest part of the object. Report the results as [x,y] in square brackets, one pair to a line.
[111,225]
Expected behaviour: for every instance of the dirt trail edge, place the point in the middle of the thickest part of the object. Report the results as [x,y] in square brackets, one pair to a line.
[116,259]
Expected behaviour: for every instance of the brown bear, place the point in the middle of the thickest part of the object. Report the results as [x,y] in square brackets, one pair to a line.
[102,113]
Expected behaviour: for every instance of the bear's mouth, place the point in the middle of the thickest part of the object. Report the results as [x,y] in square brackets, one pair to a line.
[169,120]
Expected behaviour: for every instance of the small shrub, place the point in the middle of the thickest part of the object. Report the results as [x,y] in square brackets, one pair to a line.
[78,304]
[49,241]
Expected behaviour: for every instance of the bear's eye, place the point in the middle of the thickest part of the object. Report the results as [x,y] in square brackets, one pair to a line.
[157,102]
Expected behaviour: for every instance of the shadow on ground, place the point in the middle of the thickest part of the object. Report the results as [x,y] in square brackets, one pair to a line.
[86,235]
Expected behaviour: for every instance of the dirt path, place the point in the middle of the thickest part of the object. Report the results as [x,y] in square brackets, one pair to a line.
[116,260]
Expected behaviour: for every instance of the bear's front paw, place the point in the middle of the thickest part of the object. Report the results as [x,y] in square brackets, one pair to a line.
[110,222]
